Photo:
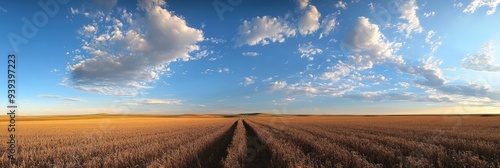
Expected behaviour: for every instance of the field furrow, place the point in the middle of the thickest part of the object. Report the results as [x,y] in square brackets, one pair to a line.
[258,153]
[206,151]
[434,146]
[410,147]
[237,151]
[324,152]
[283,152]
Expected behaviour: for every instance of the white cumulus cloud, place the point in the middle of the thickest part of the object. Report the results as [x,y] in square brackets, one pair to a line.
[248,80]
[369,46]
[277,85]
[49,96]
[328,24]
[309,21]
[434,44]
[429,14]
[337,72]
[263,30]
[408,9]
[483,60]
[475,4]
[252,54]
[133,50]
[403,84]
[303,3]
[151,101]
[341,4]
[308,50]
[429,70]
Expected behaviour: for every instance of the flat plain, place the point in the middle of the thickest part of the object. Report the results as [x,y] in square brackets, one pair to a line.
[256,141]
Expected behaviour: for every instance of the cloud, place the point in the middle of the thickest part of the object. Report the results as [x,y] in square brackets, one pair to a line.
[219,70]
[434,45]
[452,69]
[337,72]
[88,30]
[3,9]
[408,9]
[277,85]
[308,50]
[74,11]
[263,30]
[215,40]
[471,89]
[369,46]
[356,76]
[133,50]
[475,4]
[314,89]
[201,54]
[437,84]
[328,24]
[482,60]
[223,70]
[431,95]
[284,101]
[432,77]
[381,95]
[403,84]
[150,101]
[430,34]
[471,94]
[429,70]
[215,58]
[248,80]
[466,96]
[429,14]
[336,90]
[341,4]
[371,6]
[208,71]
[252,54]
[60,98]
[302,88]
[309,21]
[267,79]
[303,4]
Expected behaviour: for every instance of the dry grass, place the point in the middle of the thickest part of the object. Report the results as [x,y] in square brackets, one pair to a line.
[256,141]
[109,142]
[237,152]
[423,141]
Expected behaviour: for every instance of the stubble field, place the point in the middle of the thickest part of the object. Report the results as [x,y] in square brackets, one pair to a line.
[267,141]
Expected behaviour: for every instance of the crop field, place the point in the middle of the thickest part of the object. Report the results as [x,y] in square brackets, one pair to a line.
[257,141]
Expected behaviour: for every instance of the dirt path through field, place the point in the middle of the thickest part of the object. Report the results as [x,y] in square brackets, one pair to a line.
[258,154]
[216,152]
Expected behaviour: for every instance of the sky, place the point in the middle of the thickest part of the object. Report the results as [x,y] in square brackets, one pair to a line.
[241,56]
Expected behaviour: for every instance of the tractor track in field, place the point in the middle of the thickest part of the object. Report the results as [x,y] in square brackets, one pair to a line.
[258,154]
[216,151]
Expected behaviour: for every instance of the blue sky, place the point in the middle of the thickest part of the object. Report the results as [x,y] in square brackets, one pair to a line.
[295,57]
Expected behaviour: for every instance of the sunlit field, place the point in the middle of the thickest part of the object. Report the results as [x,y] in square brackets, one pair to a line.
[257,141]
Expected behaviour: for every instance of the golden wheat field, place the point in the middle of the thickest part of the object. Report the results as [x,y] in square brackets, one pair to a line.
[253,141]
